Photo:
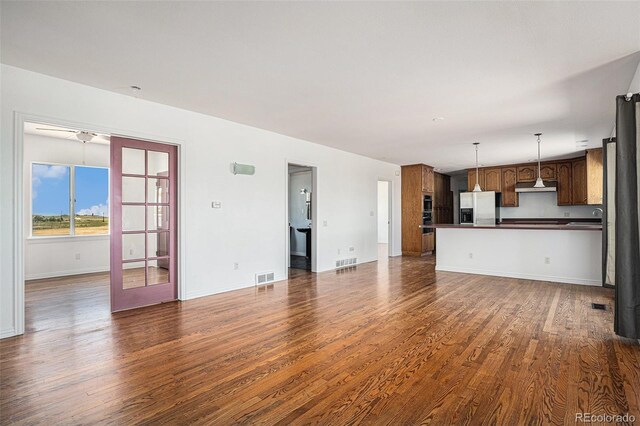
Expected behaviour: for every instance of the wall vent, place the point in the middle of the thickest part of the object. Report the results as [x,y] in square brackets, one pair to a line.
[343,263]
[264,278]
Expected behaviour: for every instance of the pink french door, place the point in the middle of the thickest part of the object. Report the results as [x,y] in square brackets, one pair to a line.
[143,223]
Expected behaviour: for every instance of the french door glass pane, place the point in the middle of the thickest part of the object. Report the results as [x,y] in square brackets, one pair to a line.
[133,218]
[133,161]
[158,271]
[157,190]
[158,163]
[133,275]
[133,189]
[157,218]
[157,244]
[133,246]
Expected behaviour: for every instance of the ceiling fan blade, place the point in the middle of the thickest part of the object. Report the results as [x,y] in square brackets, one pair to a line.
[56,130]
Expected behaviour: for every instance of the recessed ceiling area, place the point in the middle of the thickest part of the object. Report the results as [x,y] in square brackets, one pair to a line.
[373,78]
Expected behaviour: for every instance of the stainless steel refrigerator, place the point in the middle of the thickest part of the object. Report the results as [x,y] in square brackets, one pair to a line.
[479,208]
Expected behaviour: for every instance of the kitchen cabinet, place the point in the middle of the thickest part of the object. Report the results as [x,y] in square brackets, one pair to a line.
[548,171]
[471,179]
[419,180]
[565,183]
[427,178]
[492,179]
[428,242]
[509,180]
[527,173]
[579,181]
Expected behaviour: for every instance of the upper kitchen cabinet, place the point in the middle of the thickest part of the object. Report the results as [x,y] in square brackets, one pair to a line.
[527,173]
[595,176]
[427,178]
[492,179]
[548,171]
[579,181]
[509,180]
[471,179]
[565,183]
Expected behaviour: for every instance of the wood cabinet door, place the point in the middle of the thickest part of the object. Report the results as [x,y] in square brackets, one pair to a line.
[548,171]
[471,179]
[493,179]
[428,242]
[427,179]
[579,182]
[509,195]
[527,173]
[565,184]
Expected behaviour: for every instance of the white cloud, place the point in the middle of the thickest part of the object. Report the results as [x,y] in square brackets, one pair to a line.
[99,210]
[43,171]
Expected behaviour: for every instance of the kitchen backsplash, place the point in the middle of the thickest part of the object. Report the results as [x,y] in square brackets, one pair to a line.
[544,204]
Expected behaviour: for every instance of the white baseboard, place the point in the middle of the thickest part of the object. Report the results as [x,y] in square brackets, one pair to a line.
[8,332]
[535,277]
[67,273]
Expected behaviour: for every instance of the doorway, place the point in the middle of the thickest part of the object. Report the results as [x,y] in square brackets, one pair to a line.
[384,219]
[65,224]
[300,208]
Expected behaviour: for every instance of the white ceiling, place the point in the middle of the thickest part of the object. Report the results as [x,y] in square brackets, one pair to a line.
[363,77]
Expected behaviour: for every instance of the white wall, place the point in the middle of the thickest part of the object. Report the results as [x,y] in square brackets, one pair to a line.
[250,227]
[298,210]
[56,256]
[574,256]
[544,205]
[383,212]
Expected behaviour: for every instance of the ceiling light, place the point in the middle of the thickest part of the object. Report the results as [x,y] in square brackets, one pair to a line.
[539,183]
[436,119]
[477,187]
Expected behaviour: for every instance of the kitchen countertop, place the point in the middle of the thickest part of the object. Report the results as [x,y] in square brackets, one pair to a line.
[534,226]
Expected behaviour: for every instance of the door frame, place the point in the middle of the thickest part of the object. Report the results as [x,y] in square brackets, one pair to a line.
[389,213]
[20,118]
[315,225]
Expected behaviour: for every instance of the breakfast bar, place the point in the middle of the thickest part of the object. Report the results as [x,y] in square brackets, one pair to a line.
[566,253]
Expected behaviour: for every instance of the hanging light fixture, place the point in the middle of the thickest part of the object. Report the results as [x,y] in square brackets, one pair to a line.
[539,183]
[477,187]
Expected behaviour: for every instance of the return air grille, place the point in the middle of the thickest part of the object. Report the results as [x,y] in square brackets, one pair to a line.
[264,278]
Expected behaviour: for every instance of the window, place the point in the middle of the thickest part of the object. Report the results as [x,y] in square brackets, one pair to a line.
[51,189]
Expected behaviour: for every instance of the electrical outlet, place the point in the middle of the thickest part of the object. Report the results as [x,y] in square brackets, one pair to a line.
[216,204]
[338,251]
[567,214]
[470,255]
[547,260]
[236,266]
[371,213]
[324,223]
[77,256]
[351,248]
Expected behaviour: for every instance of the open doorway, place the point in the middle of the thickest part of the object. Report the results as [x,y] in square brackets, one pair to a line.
[384,219]
[66,225]
[300,216]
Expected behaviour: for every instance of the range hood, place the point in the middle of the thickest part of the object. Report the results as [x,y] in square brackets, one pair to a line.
[549,186]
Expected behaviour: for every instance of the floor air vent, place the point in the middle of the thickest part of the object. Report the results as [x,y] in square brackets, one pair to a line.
[599,306]
[264,278]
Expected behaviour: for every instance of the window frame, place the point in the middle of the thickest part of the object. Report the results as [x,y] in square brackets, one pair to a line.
[72,200]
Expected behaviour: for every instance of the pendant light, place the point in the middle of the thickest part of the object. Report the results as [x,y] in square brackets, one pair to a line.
[539,183]
[477,187]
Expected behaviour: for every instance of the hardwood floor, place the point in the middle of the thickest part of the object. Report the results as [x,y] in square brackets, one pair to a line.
[386,343]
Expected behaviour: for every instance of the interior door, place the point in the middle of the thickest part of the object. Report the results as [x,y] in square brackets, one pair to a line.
[143,223]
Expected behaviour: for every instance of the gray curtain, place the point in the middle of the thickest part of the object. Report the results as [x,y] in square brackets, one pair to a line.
[609,216]
[627,215]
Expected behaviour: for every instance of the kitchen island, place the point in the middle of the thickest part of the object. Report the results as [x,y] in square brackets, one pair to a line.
[565,253]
